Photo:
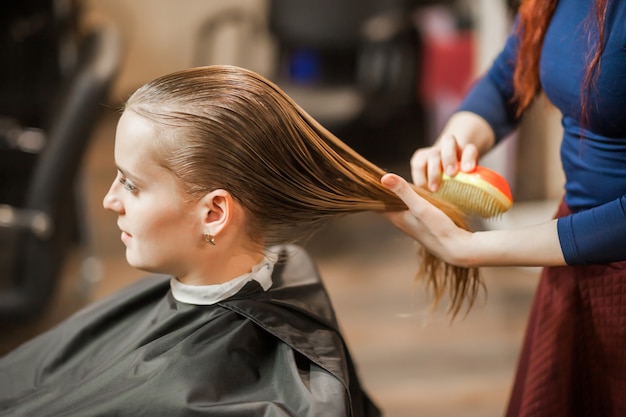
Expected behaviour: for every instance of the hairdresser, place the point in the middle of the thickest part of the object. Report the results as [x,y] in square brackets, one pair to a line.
[572,361]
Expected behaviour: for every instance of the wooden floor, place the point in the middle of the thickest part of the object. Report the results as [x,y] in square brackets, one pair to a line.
[413,361]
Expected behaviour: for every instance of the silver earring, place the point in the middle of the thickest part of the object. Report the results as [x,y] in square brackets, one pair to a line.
[208,238]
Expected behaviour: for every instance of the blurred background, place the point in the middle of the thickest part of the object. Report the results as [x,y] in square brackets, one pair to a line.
[382,74]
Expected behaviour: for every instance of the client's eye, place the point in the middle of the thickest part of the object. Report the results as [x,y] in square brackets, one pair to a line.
[127,185]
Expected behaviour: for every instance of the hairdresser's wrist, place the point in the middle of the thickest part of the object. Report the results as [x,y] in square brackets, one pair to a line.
[469,128]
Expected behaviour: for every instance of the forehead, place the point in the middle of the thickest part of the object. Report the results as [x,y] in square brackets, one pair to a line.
[133,133]
[135,149]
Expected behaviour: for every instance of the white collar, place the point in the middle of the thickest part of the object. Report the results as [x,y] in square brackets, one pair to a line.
[211,294]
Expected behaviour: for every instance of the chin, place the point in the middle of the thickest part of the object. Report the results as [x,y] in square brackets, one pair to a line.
[138,263]
[151,262]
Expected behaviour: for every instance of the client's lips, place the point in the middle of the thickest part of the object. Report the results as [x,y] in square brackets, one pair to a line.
[125,236]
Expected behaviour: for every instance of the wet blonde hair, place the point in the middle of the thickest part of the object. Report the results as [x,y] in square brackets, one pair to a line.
[230,128]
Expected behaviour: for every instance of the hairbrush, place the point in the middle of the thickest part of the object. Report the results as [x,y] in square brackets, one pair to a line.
[481,192]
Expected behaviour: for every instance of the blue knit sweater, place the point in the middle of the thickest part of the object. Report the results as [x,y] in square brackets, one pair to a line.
[593,153]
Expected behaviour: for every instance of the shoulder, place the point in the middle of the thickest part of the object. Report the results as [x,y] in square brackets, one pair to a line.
[298,313]
[297,308]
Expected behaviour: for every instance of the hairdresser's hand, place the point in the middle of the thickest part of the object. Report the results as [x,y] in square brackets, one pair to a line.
[537,245]
[447,155]
[428,225]
[465,137]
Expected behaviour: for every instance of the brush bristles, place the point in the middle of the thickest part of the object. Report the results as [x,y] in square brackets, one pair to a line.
[472,200]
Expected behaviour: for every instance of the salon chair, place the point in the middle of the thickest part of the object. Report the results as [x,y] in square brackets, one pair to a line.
[346,60]
[47,113]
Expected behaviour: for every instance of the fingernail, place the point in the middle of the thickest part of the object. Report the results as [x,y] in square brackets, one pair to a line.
[467,166]
[450,169]
[390,181]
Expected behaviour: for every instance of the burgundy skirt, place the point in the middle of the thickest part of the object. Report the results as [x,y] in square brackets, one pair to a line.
[573,360]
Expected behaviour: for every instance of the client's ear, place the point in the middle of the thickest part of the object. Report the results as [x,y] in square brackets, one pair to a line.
[217,211]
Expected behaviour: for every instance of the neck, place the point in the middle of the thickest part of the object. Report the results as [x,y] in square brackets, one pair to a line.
[222,267]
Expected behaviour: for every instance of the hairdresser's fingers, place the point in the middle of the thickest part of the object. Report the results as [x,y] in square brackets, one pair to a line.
[450,154]
[419,162]
[469,158]
[418,221]
[426,168]
[417,205]
[426,223]
[434,171]
[408,221]
[401,188]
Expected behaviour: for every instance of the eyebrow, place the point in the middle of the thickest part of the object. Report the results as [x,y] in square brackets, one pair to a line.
[127,175]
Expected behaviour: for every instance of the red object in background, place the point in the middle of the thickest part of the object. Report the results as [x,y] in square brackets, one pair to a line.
[448,66]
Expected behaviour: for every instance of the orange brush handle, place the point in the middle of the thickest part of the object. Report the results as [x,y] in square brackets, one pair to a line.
[481,192]
[494,179]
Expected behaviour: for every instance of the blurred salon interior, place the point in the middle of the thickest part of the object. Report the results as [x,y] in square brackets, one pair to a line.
[383,75]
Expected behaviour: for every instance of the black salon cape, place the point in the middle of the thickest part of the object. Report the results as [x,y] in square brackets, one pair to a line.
[142,353]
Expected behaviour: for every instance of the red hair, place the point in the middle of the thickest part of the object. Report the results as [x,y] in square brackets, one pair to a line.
[534,18]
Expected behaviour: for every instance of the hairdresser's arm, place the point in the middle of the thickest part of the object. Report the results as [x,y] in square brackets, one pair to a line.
[531,246]
[596,235]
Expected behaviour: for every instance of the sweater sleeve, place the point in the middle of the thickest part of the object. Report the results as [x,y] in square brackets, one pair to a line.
[597,235]
[491,96]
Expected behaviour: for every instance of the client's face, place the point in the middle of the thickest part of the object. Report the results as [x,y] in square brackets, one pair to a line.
[157,218]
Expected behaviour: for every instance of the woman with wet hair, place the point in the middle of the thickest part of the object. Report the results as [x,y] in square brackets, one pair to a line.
[220,174]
